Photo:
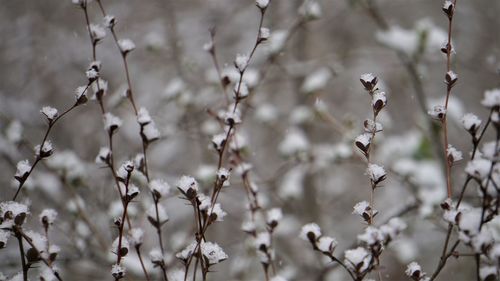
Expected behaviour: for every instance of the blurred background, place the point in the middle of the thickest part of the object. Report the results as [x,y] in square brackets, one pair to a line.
[306,107]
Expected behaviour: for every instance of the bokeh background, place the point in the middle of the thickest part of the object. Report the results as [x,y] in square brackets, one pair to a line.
[301,149]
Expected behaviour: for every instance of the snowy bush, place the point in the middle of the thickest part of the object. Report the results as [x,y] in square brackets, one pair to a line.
[249,140]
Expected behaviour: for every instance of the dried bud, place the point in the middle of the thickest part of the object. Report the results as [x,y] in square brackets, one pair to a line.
[241,62]
[44,151]
[49,112]
[126,46]
[188,186]
[23,170]
[310,232]
[451,78]
[379,100]
[364,210]
[363,142]
[471,123]
[109,21]
[448,9]
[118,271]
[262,4]
[438,112]
[81,95]
[111,123]
[369,81]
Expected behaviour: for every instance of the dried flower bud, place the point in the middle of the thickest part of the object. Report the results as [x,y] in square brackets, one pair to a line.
[212,253]
[97,33]
[454,155]
[372,127]
[232,118]
[448,8]
[126,46]
[44,151]
[81,95]
[438,112]
[118,271]
[273,217]
[48,217]
[414,271]
[363,142]
[223,174]
[188,186]
[369,81]
[159,188]
[143,117]
[327,245]
[451,78]
[241,62]
[104,156]
[150,133]
[23,169]
[218,141]
[49,112]
[364,210]
[310,232]
[379,100]
[263,241]
[111,123]
[357,259]
[122,248]
[133,191]
[471,123]
[376,173]
[262,4]
[447,47]
[264,34]
[215,213]
[241,91]
[109,21]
